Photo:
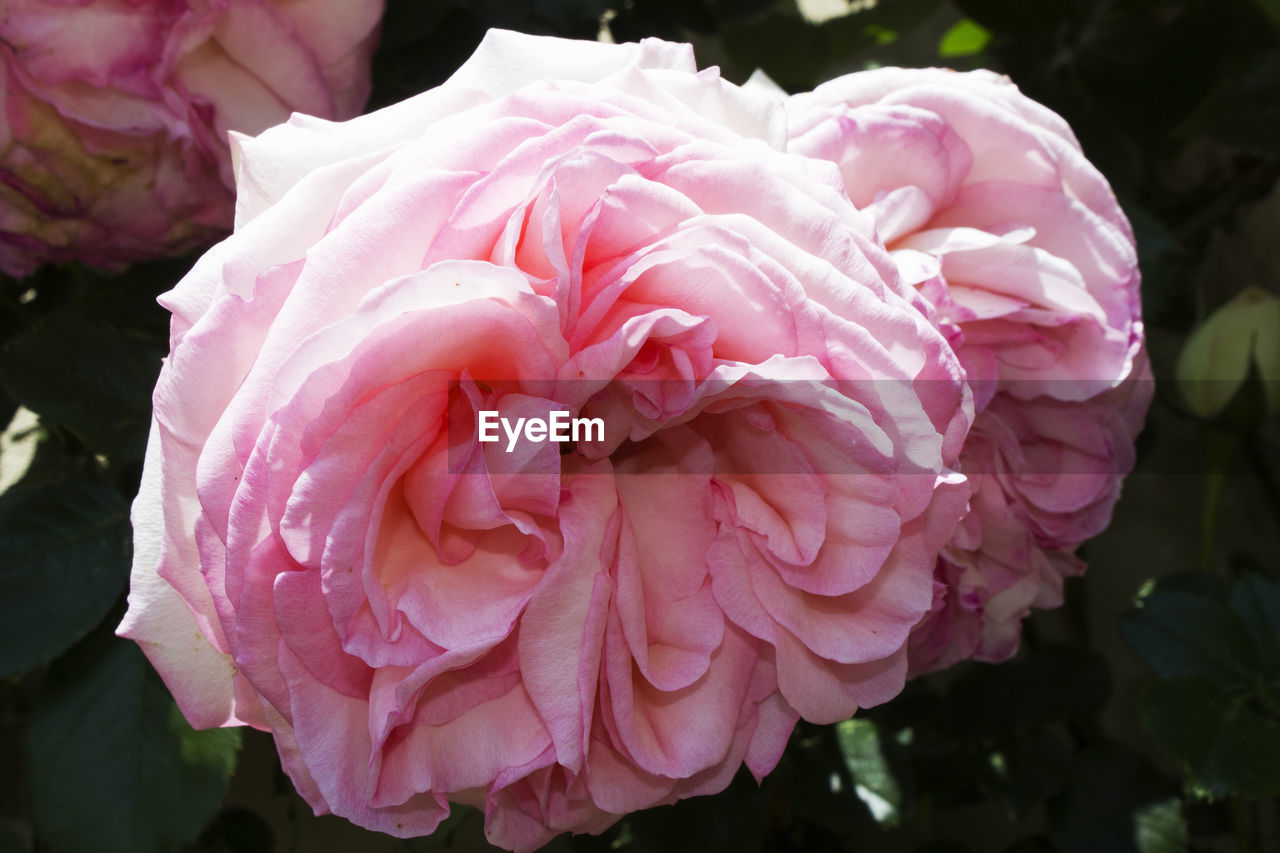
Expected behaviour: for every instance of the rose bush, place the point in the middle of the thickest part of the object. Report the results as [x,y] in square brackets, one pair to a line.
[113,140]
[992,211]
[324,549]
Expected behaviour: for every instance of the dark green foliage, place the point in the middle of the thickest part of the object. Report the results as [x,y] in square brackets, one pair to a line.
[1185,634]
[112,765]
[84,375]
[82,350]
[1217,709]
[1116,801]
[65,561]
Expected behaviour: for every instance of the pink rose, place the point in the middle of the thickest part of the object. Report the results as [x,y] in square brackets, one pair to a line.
[113,140]
[556,634]
[992,211]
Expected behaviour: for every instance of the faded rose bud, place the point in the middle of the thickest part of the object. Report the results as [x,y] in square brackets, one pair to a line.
[1241,335]
[113,134]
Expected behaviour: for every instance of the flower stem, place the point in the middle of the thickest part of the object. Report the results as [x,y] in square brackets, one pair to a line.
[1220,447]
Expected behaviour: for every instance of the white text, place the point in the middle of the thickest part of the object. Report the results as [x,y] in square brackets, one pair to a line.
[559,428]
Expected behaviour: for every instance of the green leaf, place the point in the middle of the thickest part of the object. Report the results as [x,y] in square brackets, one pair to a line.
[1187,634]
[1243,760]
[1223,744]
[1183,716]
[873,779]
[1256,601]
[85,375]
[64,559]
[965,38]
[904,32]
[18,445]
[128,301]
[812,782]
[1161,827]
[112,765]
